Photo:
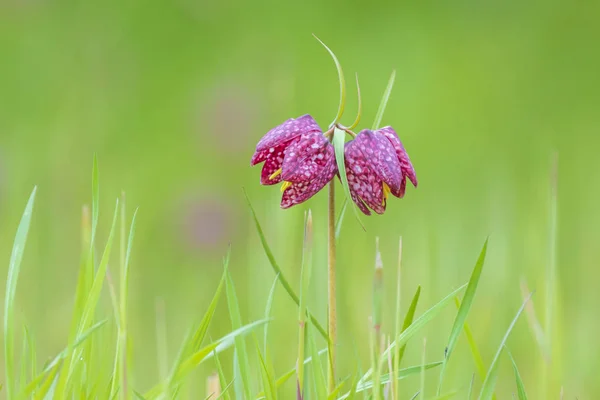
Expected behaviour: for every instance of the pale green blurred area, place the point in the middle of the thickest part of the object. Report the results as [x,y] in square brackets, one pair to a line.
[173,96]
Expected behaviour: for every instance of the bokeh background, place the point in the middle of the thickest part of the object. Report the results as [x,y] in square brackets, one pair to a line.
[172,96]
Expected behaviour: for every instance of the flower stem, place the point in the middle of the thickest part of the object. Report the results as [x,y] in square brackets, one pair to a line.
[332,317]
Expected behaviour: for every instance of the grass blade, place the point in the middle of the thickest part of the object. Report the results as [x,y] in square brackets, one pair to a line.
[222,380]
[385,378]
[446,396]
[47,388]
[408,320]
[285,377]
[377,320]
[31,386]
[236,322]
[473,346]
[520,386]
[238,385]
[95,199]
[384,101]
[94,295]
[339,141]
[340,220]
[352,392]
[203,354]
[24,359]
[14,268]
[121,368]
[419,323]
[422,391]
[284,282]
[266,378]
[317,368]
[487,388]
[471,387]
[463,311]
[305,272]
[268,307]
[338,66]
[396,358]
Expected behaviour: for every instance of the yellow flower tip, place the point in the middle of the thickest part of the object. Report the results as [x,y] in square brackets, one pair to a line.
[285,186]
[386,192]
[275,174]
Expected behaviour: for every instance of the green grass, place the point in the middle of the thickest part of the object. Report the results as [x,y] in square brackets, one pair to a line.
[95,359]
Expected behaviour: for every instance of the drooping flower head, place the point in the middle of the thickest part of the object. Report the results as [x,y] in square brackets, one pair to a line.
[376,165]
[297,153]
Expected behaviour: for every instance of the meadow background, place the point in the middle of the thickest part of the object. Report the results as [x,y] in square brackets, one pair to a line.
[173,96]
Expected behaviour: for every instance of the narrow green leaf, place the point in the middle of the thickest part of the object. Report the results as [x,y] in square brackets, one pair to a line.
[423,368]
[284,282]
[122,339]
[477,359]
[14,269]
[285,377]
[200,333]
[240,344]
[193,341]
[268,309]
[397,328]
[463,311]
[238,385]
[267,380]
[408,319]
[139,395]
[446,396]
[352,392]
[32,353]
[95,199]
[47,387]
[222,380]
[317,368]
[225,391]
[31,386]
[489,383]
[416,326]
[359,112]
[333,395]
[377,321]
[384,101]
[340,220]
[204,354]
[24,360]
[94,295]
[471,387]
[386,378]
[520,386]
[338,66]
[339,141]
[305,273]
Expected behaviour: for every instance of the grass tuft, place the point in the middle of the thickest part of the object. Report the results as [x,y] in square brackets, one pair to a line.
[14,269]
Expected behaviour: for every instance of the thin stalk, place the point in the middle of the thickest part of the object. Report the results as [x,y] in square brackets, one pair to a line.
[377,319]
[397,331]
[331,300]
[305,273]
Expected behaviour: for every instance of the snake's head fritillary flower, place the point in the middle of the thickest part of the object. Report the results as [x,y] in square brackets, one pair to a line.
[376,165]
[270,149]
[297,153]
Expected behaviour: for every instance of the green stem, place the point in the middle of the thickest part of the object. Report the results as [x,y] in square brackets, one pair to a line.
[332,317]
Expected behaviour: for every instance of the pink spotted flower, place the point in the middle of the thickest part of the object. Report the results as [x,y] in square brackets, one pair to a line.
[299,155]
[376,165]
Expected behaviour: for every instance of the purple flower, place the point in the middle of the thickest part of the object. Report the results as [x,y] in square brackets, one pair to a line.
[376,165]
[297,153]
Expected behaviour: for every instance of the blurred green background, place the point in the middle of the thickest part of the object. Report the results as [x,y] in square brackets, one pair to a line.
[174,95]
